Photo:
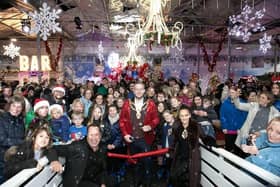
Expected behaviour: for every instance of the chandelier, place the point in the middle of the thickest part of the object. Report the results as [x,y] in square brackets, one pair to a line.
[246,21]
[132,58]
[154,29]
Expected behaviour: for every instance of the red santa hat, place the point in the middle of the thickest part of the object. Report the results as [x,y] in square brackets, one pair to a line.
[59,88]
[57,107]
[40,103]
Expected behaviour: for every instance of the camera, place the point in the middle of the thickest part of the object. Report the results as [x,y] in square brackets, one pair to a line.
[249,140]
[132,138]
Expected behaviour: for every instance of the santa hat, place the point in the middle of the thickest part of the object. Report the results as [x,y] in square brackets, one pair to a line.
[40,103]
[59,89]
[57,107]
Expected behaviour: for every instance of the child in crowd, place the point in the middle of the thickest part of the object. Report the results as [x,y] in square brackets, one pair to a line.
[96,118]
[77,131]
[60,124]
[36,152]
[204,114]
[37,117]
[265,147]
[166,138]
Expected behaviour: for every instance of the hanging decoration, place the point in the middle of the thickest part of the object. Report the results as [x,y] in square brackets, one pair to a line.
[45,21]
[100,51]
[132,58]
[212,65]
[11,50]
[246,21]
[54,60]
[265,43]
[155,30]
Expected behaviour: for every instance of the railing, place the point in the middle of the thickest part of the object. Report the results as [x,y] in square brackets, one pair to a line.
[218,168]
[33,178]
[222,168]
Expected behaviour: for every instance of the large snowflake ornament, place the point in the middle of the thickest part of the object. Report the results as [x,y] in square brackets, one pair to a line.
[246,21]
[45,21]
[11,50]
[265,43]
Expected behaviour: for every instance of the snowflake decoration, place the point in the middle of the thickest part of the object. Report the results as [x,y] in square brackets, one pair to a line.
[265,43]
[45,21]
[11,50]
[246,21]
[100,52]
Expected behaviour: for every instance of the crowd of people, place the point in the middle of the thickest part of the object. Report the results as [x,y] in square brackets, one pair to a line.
[41,122]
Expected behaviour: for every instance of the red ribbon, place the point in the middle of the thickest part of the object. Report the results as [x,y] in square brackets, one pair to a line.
[133,158]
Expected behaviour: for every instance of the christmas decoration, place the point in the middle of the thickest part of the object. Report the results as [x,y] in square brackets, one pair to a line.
[265,43]
[11,50]
[54,61]
[100,51]
[45,21]
[211,66]
[246,21]
[155,28]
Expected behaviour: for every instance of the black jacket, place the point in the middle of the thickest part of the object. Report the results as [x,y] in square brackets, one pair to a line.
[23,158]
[78,156]
[12,132]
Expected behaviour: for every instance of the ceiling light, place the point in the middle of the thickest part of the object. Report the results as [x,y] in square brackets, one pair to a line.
[26,25]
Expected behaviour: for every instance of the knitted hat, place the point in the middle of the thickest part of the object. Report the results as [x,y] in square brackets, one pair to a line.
[59,89]
[57,107]
[40,103]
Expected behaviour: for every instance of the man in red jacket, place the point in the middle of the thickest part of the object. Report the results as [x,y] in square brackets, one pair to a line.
[138,119]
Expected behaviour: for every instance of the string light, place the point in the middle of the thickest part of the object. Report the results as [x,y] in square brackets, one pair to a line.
[246,21]
[155,28]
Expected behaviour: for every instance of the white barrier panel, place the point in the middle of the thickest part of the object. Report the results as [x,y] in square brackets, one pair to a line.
[45,177]
[218,168]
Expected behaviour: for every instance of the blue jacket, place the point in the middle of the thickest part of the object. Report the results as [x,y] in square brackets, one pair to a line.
[87,104]
[116,136]
[231,117]
[276,104]
[167,135]
[60,128]
[268,157]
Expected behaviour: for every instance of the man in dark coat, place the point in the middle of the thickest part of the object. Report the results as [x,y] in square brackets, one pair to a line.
[85,161]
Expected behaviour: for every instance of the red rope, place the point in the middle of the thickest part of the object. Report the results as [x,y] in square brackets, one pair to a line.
[133,158]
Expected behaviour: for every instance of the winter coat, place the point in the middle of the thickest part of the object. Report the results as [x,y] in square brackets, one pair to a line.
[268,156]
[30,117]
[12,132]
[77,155]
[23,158]
[252,109]
[276,104]
[60,128]
[191,158]
[151,118]
[116,135]
[228,111]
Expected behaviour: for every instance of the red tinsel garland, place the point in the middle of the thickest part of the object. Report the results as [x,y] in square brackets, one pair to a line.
[54,62]
[211,66]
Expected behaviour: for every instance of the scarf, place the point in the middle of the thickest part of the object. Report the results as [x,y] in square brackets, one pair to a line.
[113,120]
